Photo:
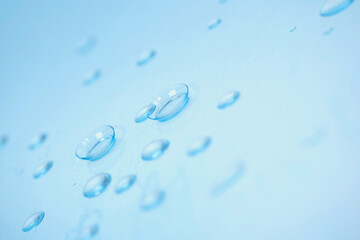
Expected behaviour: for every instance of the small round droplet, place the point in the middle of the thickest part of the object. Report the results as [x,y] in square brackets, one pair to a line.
[145,57]
[332,7]
[152,200]
[96,144]
[96,185]
[125,183]
[144,112]
[37,141]
[199,146]
[42,169]
[33,221]
[93,77]
[154,149]
[228,99]
[170,102]
[214,23]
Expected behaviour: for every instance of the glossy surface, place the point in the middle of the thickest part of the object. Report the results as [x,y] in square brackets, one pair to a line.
[96,185]
[33,221]
[144,112]
[154,149]
[42,169]
[125,183]
[228,99]
[332,7]
[198,146]
[37,141]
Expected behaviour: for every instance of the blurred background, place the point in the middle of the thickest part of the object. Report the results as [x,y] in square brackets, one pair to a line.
[284,159]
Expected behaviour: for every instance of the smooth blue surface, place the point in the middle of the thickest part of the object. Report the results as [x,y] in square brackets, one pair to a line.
[296,127]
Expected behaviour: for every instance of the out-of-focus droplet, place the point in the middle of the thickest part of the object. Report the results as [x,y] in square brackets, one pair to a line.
[96,185]
[86,45]
[96,144]
[144,112]
[152,200]
[88,232]
[37,141]
[42,169]
[154,149]
[4,140]
[227,178]
[228,99]
[293,29]
[32,221]
[170,102]
[214,23]
[93,77]
[125,183]
[198,146]
[145,57]
[223,1]
[327,32]
[332,7]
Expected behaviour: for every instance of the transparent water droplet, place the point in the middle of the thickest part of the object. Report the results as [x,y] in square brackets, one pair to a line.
[96,144]
[152,200]
[214,23]
[125,183]
[199,145]
[228,99]
[93,77]
[332,7]
[170,102]
[146,57]
[227,178]
[327,32]
[4,140]
[42,169]
[293,29]
[154,149]
[144,112]
[96,185]
[86,45]
[37,141]
[32,221]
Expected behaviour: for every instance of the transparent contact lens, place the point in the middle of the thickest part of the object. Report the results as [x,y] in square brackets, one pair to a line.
[96,144]
[42,169]
[125,183]
[154,149]
[152,200]
[199,146]
[37,141]
[228,99]
[170,102]
[144,112]
[214,23]
[96,185]
[332,7]
[145,57]
[32,221]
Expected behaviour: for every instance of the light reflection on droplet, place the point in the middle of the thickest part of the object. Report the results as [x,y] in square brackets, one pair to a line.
[154,149]
[332,7]
[37,141]
[214,23]
[152,200]
[96,144]
[144,112]
[125,183]
[145,57]
[198,146]
[86,45]
[228,99]
[96,185]
[93,77]
[42,169]
[32,221]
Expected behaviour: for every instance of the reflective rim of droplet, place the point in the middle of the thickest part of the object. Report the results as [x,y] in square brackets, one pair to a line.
[102,179]
[228,99]
[324,12]
[214,23]
[159,145]
[42,169]
[125,183]
[37,141]
[33,221]
[144,113]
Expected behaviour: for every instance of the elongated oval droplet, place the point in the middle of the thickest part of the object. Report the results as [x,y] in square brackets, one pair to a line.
[154,149]
[33,220]
[42,169]
[199,146]
[37,141]
[144,112]
[86,45]
[332,7]
[96,185]
[93,77]
[96,144]
[228,99]
[125,183]
[227,178]
[214,23]
[152,200]
[3,141]
[145,57]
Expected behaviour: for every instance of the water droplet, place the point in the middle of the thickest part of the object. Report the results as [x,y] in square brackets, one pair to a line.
[293,29]
[228,99]
[96,185]
[170,102]
[327,32]
[223,1]
[4,140]
[214,23]
[37,141]
[154,149]
[125,183]
[332,7]
[42,169]
[33,221]
[96,144]
[199,146]
[145,57]
[89,232]
[227,178]
[86,45]
[93,77]
[144,112]
[152,200]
